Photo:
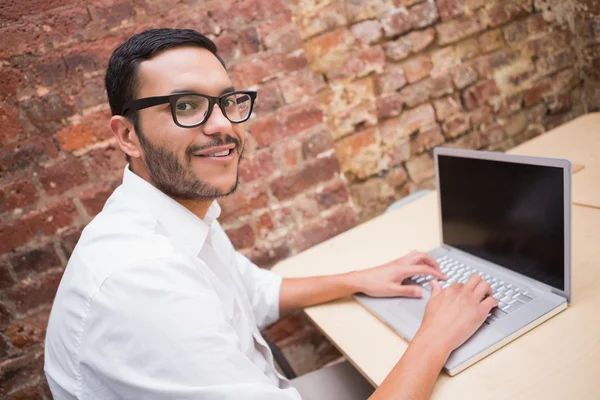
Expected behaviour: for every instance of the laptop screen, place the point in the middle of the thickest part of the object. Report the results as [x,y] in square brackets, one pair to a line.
[508,213]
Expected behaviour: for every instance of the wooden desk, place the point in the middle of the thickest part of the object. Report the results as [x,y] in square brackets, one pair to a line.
[578,140]
[558,360]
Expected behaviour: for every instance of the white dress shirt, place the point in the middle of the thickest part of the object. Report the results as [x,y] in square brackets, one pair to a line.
[155,303]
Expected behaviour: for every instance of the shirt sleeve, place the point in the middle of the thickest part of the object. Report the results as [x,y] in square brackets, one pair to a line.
[159,331]
[263,286]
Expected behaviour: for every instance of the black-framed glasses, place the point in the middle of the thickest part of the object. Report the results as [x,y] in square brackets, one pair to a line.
[190,109]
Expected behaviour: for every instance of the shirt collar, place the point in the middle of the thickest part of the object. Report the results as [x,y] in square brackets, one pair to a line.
[180,223]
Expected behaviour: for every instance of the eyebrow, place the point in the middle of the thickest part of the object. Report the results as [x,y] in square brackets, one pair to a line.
[226,90]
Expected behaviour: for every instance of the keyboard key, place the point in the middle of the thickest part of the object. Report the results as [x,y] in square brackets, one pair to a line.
[505,299]
[502,305]
[514,306]
[498,313]
[524,298]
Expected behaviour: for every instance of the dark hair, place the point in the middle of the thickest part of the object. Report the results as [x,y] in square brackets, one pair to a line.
[121,78]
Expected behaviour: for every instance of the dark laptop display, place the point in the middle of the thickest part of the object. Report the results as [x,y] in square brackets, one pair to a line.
[508,213]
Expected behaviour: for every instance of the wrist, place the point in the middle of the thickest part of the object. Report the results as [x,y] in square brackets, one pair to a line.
[353,281]
[433,345]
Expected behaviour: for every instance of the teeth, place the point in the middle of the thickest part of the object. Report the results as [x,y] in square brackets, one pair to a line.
[221,154]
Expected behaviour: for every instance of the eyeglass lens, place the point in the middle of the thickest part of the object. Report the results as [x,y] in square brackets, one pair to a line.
[192,109]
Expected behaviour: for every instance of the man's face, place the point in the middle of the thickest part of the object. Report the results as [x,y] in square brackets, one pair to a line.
[177,160]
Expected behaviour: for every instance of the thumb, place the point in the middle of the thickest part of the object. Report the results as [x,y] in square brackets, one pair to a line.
[409,291]
[435,287]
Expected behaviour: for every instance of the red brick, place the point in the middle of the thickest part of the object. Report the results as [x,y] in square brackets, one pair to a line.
[488,64]
[319,170]
[369,31]
[49,70]
[332,195]
[482,115]
[286,153]
[337,41]
[359,63]
[91,129]
[89,57]
[444,60]
[391,79]
[111,14]
[449,9]
[420,168]
[514,124]
[351,146]
[14,9]
[252,10]
[501,12]
[280,34]
[68,240]
[38,260]
[491,41]
[6,280]
[34,293]
[9,120]
[464,76]
[47,111]
[242,237]
[358,10]
[17,194]
[389,106]
[28,331]
[510,104]
[228,46]
[417,68]
[537,92]
[456,125]
[427,139]
[242,203]
[11,80]
[306,207]
[269,253]
[270,97]
[558,103]
[249,41]
[516,31]
[414,42]
[45,222]
[259,165]
[264,224]
[63,176]
[259,70]
[267,130]
[27,393]
[63,27]
[396,23]
[94,199]
[5,316]
[302,117]
[19,372]
[300,86]
[423,14]
[424,90]
[479,94]
[91,94]
[409,122]
[455,30]
[447,106]
[342,219]
[314,143]
[20,39]
[466,50]
[26,153]
[106,162]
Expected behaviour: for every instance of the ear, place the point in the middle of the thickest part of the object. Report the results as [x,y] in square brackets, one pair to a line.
[126,136]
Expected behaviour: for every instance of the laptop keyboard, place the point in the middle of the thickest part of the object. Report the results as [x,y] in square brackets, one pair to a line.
[510,296]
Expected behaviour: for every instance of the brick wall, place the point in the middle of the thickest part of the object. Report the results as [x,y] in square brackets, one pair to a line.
[352,97]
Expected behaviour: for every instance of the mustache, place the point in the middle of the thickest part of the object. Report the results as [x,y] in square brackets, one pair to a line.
[221,141]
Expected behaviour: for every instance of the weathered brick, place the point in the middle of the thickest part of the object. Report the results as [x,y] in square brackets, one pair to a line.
[501,12]
[270,97]
[491,41]
[35,261]
[47,111]
[417,68]
[482,115]
[301,117]
[325,48]
[20,39]
[480,94]
[396,23]
[106,162]
[340,220]
[12,9]
[428,138]
[46,222]
[11,81]
[444,60]
[464,76]
[110,14]
[92,94]
[447,106]
[93,199]
[28,331]
[242,237]
[420,168]
[358,10]
[249,40]
[91,129]
[5,316]
[242,203]
[267,130]
[319,170]
[314,143]
[65,26]
[514,124]
[558,103]
[456,125]
[264,225]
[269,253]
[332,195]
[424,90]
[89,57]
[409,122]
[414,42]
[6,280]
[359,63]
[63,176]
[313,20]
[487,65]
[228,46]
[369,31]
[516,31]
[460,28]
[390,105]
[306,207]
[27,393]
[21,155]
[391,79]
[257,70]
[467,50]
[17,194]
[18,372]
[300,86]
[258,165]
[449,9]
[68,240]
[34,293]
[11,127]
[360,154]
[280,34]
[423,14]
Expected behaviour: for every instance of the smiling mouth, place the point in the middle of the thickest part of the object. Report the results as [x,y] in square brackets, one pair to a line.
[223,153]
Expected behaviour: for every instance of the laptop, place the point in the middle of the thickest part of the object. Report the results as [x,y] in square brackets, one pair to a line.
[508,219]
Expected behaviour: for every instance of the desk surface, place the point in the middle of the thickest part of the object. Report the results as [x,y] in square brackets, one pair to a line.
[578,140]
[557,360]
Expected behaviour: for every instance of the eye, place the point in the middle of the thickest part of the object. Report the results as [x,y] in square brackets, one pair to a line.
[229,103]
[186,106]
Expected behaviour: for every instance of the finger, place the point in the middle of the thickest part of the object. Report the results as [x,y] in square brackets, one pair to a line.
[424,258]
[409,291]
[481,290]
[487,304]
[421,269]
[436,288]
[472,282]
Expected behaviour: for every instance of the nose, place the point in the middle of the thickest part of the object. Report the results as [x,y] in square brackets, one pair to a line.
[217,122]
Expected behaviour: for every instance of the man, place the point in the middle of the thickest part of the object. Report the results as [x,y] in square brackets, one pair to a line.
[155,303]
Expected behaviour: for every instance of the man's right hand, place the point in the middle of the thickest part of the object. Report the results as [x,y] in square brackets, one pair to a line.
[455,313]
